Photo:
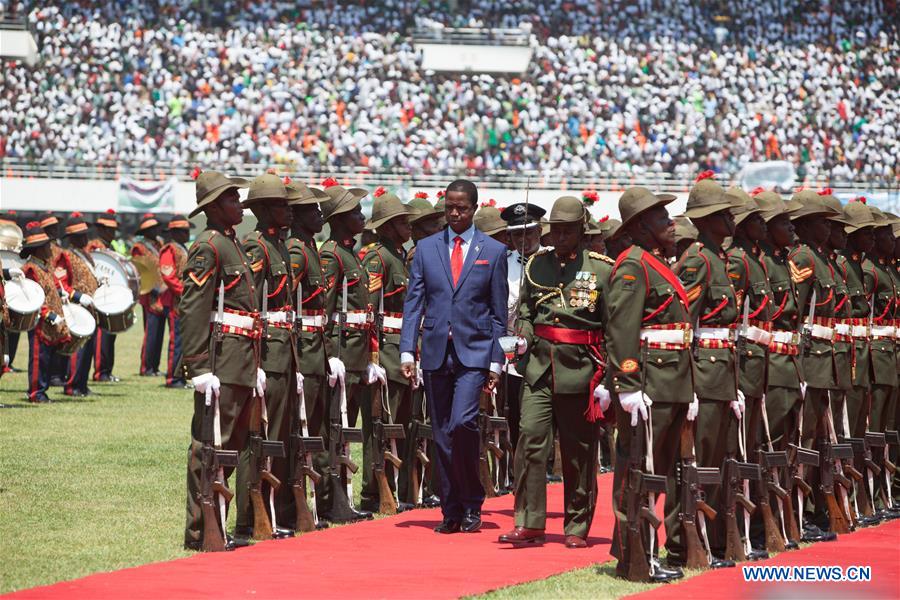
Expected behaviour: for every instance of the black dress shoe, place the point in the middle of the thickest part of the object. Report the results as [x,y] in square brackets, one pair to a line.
[404,506]
[471,521]
[57,382]
[42,399]
[281,533]
[352,517]
[811,534]
[447,526]
[431,501]
[237,541]
[757,554]
[868,521]
[177,385]
[551,478]
[322,524]
[369,505]
[663,575]
[720,563]
[791,545]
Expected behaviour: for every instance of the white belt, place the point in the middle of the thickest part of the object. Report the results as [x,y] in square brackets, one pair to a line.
[859,331]
[715,333]
[842,328]
[393,322]
[883,330]
[758,335]
[786,337]
[233,320]
[313,320]
[353,318]
[280,316]
[820,332]
[666,336]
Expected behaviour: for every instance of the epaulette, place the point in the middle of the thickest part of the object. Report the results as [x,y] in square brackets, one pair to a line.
[602,257]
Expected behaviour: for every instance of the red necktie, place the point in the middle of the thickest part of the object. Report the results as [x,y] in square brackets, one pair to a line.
[456,259]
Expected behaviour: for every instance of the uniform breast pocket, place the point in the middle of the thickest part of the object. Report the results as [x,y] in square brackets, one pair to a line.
[233,276]
[398,280]
[761,290]
[779,286]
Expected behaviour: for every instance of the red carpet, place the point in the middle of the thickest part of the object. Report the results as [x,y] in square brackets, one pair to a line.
[877,547]
[396,557]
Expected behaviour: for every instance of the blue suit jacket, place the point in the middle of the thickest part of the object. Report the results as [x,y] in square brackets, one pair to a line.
[475,308]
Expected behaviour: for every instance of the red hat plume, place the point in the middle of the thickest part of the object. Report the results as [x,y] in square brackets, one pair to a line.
[757,190]
[110,211]
[705,175]
[440,194]
[195,173]
[589,197]
[379,191]
[76,215]
[860,199]
[422,195]
[604,219]
[286,180]
[329,182]
[825,192]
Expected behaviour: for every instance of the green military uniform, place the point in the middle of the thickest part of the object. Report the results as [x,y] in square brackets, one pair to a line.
[270,264]
[385,263]
[216,258]
[339,263]
[308,276]
[645,299]
[562,316]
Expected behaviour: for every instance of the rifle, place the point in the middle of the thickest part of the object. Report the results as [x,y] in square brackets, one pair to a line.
[303,448]
[638,508]
[736,473]
[829,473]
[693,500]
[213,490]
[798,457]
[420,433]
[487,444]
[341,437]
[892,439]
[864,449]
[769,463]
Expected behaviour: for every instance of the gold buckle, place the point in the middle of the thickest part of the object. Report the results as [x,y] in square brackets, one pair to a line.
[688,336]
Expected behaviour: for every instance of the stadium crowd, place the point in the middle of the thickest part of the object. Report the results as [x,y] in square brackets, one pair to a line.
[617,86]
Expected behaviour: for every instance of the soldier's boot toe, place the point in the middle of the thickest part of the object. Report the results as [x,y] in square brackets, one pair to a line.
[575,541]
[522,535]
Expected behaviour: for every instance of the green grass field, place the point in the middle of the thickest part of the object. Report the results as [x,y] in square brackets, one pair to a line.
[97,484]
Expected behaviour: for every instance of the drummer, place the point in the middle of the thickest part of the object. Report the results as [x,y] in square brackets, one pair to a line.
[8,273]
[51,329]
[81,284]
[154,318]
[107,227]
[59,364]
[172,259]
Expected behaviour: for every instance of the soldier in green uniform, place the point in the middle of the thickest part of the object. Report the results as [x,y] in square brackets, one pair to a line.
[216,258]
[714,311]
[685,235]
[750,279]
[810,270]
[306,222]
[270,268]
[424,220]
[615,238]
[649,361]
[562,319]
[883,347]
[340,264]
[385,263]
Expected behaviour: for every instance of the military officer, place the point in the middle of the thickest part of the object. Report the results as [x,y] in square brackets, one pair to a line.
[271,272]
[59,363]
[51,329]
[615,238]
[750,280]
[685,235]
[217,259]
[385,264]
[487,220]
[594,234]
[172,258]
[79,277]
[306,222]
[810,271]
[147,248]
[714,309]
[562,319]
[649,325]
[106,226]
[340,264]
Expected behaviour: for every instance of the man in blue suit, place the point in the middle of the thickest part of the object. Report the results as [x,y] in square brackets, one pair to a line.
[458,292]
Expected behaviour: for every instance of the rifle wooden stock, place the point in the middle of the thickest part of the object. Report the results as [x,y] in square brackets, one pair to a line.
[304,521]
[692,495]
[219,488]
[734,548]
[836,517]
[852,472]
[496,450]
[262,526]
[792,529]
[891,467]
[422,458]
[212,533]
[774,543]
[707,510]
[386,503]
[804,487]
[348,464]
[484,475]
[746,503]
[393,459]
[270,479]
[638,564]
[650,516]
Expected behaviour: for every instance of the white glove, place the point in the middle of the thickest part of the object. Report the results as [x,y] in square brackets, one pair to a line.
[86,301]
[420,378]
[56,320]
[299,382]
[16,273]
[5,359]
[739,405]
[521,345]
[693,408]
[208,385]
[376,373]
[602,394]
[635,403]
[337,370]
[260,383]
[802,390]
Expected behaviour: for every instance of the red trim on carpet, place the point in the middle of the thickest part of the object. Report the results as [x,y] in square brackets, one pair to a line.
[878,547]
[395,557]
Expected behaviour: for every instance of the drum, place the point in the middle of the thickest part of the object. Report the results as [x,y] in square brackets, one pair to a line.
[11,259]
[81,327]
[111,268]
[24,299]
[114,304]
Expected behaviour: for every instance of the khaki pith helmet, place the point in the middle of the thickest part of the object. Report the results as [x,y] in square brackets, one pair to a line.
[298,193]
[834,204]
[265,187]
[595,227]
[857,216]
[421,209]
[341,199]
[611,228]
[744,204]
[488,221]
[636,200]
[770,205]
[809,203]
[685,230]
[384,208]
[706,198]
[882,219]
[567,209]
